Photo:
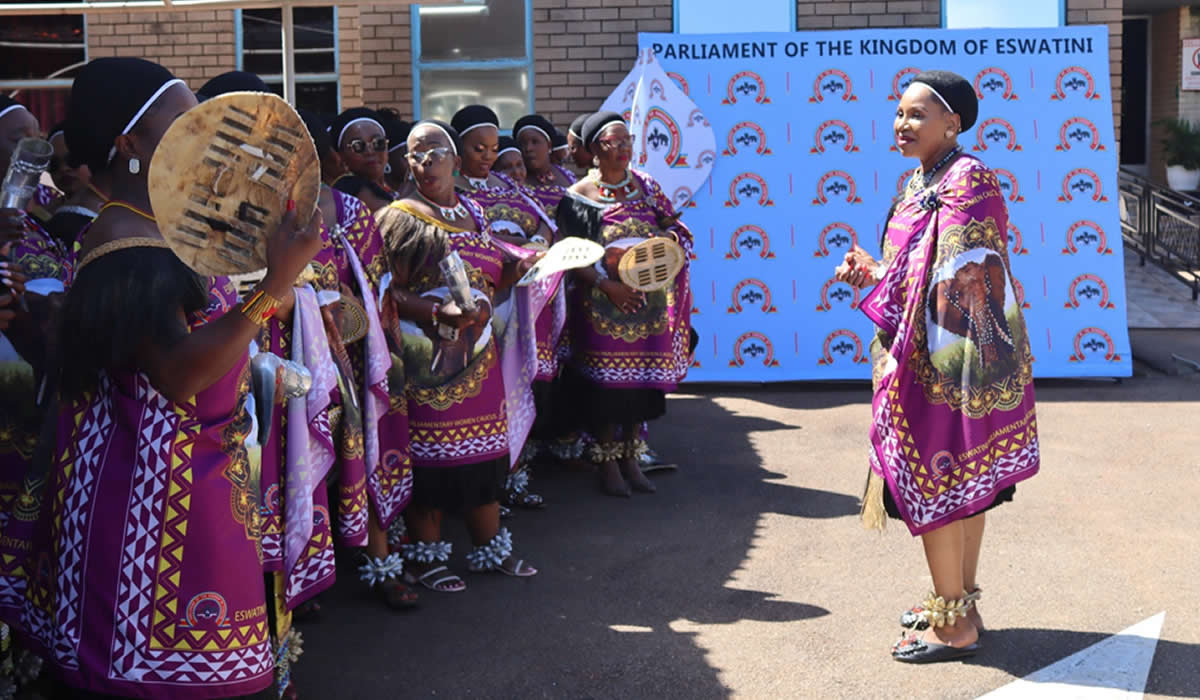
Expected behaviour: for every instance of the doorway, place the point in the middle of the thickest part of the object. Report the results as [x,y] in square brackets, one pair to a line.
[1135,95]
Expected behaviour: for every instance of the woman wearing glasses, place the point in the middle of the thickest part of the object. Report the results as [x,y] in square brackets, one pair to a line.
[628,348]
[447,364]
[362,143]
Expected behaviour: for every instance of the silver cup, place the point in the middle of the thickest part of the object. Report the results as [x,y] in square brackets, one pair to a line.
[454,272]
[29,160]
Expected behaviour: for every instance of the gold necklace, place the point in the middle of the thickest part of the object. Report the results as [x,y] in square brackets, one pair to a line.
[123,205]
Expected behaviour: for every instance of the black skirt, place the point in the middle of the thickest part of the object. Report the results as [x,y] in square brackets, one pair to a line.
[594,406]
[1004,496]
[460,488]
[549,423]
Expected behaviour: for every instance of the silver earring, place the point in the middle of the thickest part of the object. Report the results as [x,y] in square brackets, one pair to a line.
[387,169]
[596,161]
[135,166]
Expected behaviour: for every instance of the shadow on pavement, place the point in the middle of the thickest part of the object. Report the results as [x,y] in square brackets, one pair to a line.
[1022,651]
[821,395]
[618,577]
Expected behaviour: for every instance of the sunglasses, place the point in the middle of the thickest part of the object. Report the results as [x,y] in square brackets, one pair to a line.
[434,155]
[625,142]
[378,144]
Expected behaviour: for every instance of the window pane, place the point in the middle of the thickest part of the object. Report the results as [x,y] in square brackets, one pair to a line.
[315,62]
[263,63]
[444,92]
[38,47]
[314,27]
[49,105]
[260,30]
[971,14]
[474,31]
[321,98]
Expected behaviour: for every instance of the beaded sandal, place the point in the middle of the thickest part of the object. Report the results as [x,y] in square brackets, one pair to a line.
[936,612]
[914,617]
[438,578]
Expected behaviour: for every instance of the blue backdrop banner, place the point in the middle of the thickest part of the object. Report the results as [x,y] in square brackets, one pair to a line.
[806,166]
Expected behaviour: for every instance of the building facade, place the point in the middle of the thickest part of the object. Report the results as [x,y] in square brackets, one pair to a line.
[557,57]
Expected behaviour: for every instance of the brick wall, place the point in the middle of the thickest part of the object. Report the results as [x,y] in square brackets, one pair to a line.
[386,58]
[350,54]
[582,49]
[857,14]
[1104,12]
[195,45]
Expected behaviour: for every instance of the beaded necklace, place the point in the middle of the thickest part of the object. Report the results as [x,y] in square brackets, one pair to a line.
[927,178]
[608,192]
[458,211]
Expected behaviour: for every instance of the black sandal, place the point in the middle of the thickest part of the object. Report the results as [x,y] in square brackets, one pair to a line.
[914,650]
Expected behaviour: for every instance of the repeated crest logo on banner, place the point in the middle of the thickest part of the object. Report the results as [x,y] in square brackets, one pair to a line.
[782,146]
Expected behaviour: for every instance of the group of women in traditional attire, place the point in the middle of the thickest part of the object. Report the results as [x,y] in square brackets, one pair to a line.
[160,530]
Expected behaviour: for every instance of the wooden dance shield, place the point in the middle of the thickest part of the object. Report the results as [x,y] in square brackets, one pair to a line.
[221,178]
[651,264]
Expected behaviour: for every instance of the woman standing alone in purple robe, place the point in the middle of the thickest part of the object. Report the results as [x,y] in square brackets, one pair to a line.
[954,424]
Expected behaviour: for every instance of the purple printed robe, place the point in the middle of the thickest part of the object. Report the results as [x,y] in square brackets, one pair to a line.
[954,418]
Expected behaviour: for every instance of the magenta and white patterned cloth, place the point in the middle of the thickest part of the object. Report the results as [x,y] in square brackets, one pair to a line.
[673,141]
[954,415]
[142,574]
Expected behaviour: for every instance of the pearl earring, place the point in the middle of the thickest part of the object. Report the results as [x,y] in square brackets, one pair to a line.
[596,161]
[135,166]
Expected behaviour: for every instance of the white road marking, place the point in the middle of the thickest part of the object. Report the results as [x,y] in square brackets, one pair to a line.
[1113,669]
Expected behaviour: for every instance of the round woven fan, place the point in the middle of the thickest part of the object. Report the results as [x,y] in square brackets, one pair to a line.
[353,319]
[568,254]
[651,264]
[221,178]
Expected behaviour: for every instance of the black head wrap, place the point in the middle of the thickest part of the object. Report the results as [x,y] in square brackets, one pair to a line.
[558,140]
[596,123]
[8,105]
[337,126]
[535,121]
[108,98]
[954,92]
[397,132]
[507,143]
[59,128]
[450,132]
[317,130]
[233,81]
[576,129]
[473,116]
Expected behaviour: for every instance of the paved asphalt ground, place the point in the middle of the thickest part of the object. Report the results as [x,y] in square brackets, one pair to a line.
[748,574]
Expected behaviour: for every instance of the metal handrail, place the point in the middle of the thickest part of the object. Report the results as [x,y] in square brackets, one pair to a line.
[1163,225]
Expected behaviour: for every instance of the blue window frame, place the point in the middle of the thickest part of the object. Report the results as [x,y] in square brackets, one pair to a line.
[971,14]
[259,49]
[480,52]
